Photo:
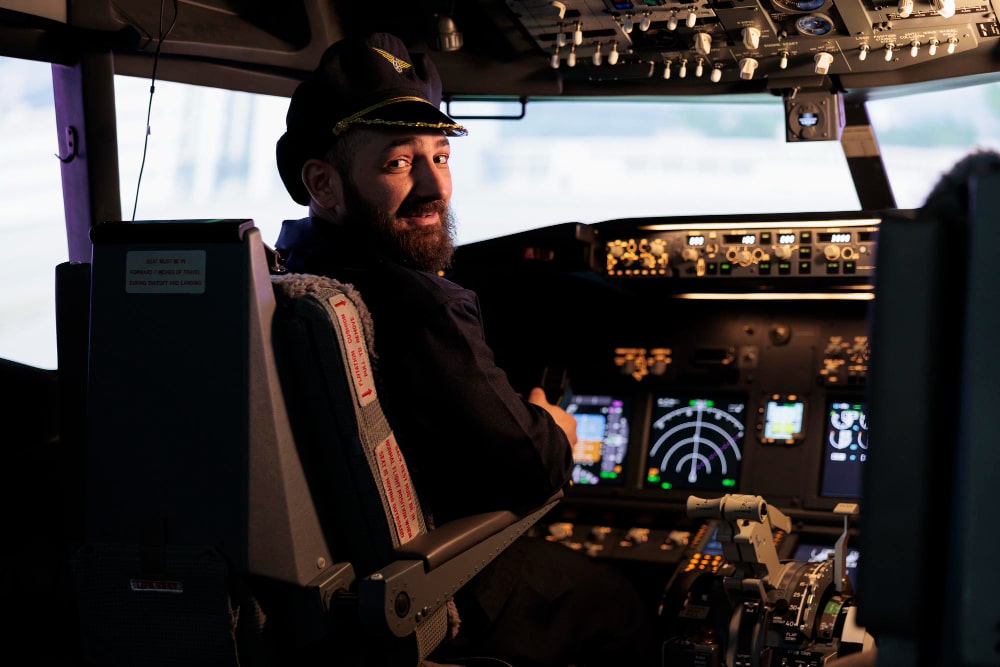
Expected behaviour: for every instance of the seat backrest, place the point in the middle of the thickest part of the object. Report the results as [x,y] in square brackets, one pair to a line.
[192,477]
[239,466]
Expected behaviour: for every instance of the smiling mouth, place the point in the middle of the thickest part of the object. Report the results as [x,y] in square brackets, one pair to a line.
[421,219]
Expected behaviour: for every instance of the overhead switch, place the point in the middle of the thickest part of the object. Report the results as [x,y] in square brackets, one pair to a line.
[613,56]
[716,74]
[905,8]
[823,62]
[751,38]
[692,18]
[747,67]
[703,43]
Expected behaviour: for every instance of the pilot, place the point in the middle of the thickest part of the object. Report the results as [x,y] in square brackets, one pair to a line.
[367,149]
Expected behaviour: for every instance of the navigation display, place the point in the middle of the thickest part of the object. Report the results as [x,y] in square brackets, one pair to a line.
[695,443]
[602,432]
[845,448]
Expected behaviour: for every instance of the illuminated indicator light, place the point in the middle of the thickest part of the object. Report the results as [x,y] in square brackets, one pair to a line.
[667,485]
[608,474]
[701,403]
[725,266]
[729,482]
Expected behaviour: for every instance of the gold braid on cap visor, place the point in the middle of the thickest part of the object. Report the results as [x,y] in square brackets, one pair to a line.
[357,118]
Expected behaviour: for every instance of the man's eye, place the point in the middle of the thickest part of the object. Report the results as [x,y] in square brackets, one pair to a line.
[441,159]
[398,163]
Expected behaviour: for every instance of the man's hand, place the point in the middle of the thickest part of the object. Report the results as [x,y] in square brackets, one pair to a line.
[565,420]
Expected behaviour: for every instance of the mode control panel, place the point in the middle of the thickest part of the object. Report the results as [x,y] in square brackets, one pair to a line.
[765,250]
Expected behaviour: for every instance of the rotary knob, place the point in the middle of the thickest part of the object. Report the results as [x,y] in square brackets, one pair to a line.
[783,251]
[831,252]
[744,257]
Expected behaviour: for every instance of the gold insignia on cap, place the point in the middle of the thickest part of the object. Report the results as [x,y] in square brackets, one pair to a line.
[397,63]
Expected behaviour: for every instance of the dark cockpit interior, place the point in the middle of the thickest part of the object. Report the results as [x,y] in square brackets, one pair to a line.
[784,418]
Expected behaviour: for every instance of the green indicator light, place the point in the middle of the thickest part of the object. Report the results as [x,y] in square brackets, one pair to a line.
[667,485]
[832,608]
[653,479]
[726,266]
[728,482]
[856,407]
[608,474]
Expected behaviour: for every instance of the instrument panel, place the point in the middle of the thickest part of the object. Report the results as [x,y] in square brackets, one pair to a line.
[786,42]
[696,365]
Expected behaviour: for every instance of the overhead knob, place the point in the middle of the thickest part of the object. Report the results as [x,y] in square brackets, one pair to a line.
[747,67]
[945,8]
[905,8]
[744,257]
[751,38]
[823,61]
[703,43]
[783,251]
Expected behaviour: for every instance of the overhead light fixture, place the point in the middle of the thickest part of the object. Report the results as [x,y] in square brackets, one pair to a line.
[448,37]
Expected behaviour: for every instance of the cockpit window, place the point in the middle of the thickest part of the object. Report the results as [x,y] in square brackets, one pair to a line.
[32,220]
[922,136]
[210,154]
[590,161]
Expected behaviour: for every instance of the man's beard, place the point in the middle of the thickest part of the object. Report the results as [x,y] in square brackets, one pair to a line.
[425,248]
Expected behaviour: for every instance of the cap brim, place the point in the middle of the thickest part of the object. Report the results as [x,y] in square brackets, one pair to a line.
[409,113]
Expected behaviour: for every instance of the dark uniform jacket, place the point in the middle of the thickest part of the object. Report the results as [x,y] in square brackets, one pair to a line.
[471,442]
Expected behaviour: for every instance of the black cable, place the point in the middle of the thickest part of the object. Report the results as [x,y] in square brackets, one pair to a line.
[152,88]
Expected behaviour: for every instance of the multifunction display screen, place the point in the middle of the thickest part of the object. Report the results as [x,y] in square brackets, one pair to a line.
[602,433]
[695,443]
[845,448]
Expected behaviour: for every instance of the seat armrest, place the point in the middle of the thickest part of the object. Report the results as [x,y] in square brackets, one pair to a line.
[429,569]
[450,539]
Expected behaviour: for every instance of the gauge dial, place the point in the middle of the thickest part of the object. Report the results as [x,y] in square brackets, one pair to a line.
[814,24]
[695,443]
[799,5]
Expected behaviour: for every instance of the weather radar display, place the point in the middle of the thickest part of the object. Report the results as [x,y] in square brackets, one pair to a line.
[695,443]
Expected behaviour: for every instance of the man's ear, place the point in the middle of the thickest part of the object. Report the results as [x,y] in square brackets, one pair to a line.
[324,184]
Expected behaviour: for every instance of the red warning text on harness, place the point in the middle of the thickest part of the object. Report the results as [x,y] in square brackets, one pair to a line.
[398,489]
[352,337]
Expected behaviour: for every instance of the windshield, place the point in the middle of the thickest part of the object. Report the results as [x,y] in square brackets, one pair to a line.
[211,154]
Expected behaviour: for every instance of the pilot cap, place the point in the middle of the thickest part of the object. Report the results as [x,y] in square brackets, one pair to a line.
[371,81]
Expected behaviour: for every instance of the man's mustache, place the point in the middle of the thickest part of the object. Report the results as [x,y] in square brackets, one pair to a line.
[414,209]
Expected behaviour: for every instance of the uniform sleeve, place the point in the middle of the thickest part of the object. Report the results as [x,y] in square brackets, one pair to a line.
[473,442]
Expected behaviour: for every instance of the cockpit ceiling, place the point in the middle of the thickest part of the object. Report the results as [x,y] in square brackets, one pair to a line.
[542,48]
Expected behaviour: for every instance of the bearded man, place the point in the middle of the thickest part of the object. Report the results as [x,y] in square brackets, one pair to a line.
[367,149]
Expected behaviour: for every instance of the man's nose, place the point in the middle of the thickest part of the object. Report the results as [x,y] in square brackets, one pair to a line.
[433,181]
